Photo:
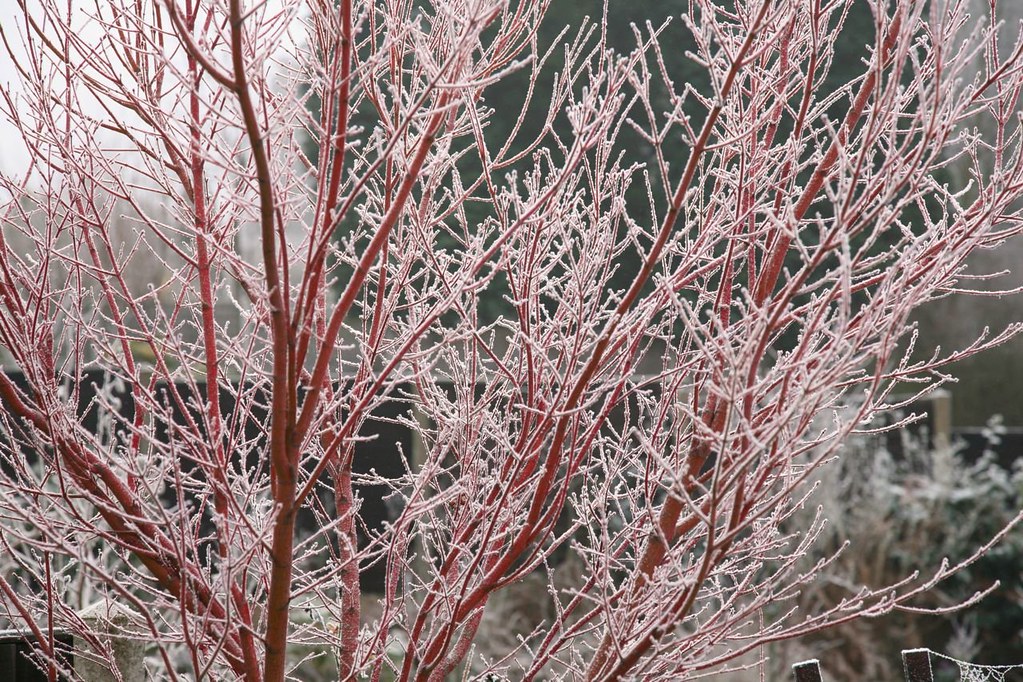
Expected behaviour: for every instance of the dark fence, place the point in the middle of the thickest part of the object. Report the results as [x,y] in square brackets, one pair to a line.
[383,442]
[1006,446]
[934,429]
[19,661]
[916,663]
[380,449]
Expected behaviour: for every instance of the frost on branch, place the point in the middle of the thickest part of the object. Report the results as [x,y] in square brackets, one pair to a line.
[628,316]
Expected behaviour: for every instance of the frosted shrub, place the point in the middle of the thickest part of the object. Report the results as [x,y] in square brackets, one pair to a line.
[761,243]
[892,515]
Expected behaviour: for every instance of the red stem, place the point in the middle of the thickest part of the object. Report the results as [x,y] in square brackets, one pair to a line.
[713,416]
[329,194]
[283,445]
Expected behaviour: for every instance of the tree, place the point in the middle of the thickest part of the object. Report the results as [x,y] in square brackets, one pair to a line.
[159,453]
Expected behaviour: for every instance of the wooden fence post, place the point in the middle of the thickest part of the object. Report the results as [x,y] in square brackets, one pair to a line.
[917,665]
[808,671]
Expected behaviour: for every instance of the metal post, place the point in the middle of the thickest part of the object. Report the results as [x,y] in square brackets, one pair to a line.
[917,665]
[808,671]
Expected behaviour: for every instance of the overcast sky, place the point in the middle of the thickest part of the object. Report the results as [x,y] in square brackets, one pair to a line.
[13,154]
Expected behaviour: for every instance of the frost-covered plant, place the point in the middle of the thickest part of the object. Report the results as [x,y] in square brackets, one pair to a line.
[782,238]
[896,514]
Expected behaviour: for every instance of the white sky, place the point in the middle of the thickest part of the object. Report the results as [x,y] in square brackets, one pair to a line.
[14,156]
